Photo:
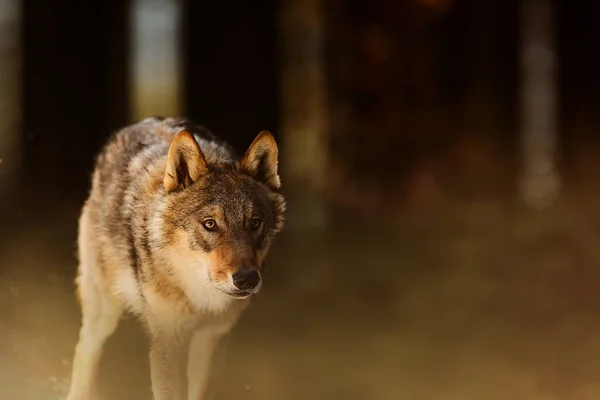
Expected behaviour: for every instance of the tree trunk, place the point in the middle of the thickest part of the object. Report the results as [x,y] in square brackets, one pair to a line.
[304,105]
[540,181]
[10,94]
[156,71]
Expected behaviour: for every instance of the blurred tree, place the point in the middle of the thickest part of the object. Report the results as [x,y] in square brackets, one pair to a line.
[10,93]
[540,183]
[156,58]
[305,113]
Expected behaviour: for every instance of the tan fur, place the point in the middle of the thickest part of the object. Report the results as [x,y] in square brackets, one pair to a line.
[263,146]
[143,247]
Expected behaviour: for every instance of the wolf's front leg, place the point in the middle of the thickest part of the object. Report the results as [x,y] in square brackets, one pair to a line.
[168,360]
[201,363]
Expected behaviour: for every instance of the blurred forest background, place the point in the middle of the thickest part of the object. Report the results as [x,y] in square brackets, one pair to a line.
[441,163]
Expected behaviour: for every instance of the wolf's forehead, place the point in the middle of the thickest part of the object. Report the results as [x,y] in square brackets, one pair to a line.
[233,202]
[233,193]
[233,206]
[234,186]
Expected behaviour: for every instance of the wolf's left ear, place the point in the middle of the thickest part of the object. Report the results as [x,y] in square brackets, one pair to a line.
[260,160]
[185,163]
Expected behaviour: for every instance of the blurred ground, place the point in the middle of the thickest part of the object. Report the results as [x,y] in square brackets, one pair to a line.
[479,301]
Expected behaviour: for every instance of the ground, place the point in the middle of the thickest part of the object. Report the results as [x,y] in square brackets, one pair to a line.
[476,302]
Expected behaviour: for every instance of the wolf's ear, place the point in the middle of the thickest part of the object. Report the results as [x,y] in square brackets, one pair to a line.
[185,164]
[260,160]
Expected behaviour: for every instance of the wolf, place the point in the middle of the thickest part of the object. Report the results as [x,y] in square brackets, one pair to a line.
[175,231]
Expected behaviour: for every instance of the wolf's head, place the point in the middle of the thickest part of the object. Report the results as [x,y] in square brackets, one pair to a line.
[219,217]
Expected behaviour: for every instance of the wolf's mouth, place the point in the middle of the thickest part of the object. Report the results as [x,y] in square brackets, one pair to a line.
[240,295]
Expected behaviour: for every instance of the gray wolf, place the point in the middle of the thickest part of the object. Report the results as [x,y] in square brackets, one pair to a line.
[175,231]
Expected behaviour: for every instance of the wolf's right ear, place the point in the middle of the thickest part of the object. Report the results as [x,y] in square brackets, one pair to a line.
[185,163]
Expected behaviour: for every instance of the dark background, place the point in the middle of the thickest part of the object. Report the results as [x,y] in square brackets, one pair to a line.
[75,78]
[75,84]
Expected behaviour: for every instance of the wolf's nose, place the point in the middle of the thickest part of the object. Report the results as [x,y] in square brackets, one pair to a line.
[246,279]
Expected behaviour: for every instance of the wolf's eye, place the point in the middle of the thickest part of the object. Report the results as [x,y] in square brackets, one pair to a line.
[209,224]
[255,223]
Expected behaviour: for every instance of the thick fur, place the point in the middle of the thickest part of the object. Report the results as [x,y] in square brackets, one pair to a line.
[172,215]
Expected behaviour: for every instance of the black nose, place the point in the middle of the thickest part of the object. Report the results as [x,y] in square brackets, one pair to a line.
[246,279]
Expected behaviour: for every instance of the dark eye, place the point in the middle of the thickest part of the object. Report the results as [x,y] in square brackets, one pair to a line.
[255,223]
[209,224]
